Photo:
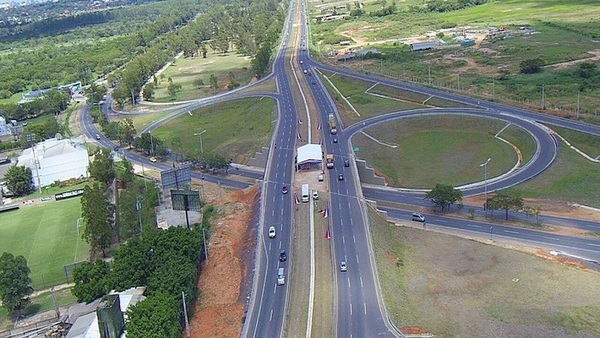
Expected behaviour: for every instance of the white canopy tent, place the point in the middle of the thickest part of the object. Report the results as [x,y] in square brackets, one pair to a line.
[310,154]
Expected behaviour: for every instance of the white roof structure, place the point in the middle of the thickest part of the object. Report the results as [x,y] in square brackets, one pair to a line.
[55,160]
[310,154]
[86,326]
[4,130]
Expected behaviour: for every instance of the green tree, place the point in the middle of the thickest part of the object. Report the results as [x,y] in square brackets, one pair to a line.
[158,316]
[126,173]
[173,88]
[15,283]
[102,167]
[214,81]
[91,281]
[126,131]
[148,91]
[18,180]
[444,195]
[97,214]
[506,200]
[198,82]
[531,66]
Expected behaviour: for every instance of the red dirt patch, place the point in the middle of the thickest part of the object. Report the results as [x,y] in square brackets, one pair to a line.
[221,305]
[412,330]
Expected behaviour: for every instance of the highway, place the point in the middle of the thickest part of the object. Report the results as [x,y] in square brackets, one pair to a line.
[357,304]
[587,248]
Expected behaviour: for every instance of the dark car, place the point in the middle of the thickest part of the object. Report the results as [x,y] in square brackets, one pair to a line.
[346,163]
[340,177]
[284,189]
[282,256]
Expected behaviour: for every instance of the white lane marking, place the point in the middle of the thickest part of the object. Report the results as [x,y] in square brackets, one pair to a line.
[348,283]
[550,238]
[592,244]
[351,222]
[474,225]
[282,214]
[343,240]
[356,259]
[361,283]
[365,305]
[351,309]
[269,246]
[511,232]
[271,317]
[273,213]
[443,221]
[354,238]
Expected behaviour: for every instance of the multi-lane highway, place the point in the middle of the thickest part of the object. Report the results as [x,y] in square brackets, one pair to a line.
[358,308]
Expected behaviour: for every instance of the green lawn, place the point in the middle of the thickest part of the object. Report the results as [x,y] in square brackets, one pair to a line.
[455,287]
[46,235]
[235,129]
[570,178]
[440,149]
[185,70]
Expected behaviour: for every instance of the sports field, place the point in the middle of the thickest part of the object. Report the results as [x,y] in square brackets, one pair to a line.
[46,235]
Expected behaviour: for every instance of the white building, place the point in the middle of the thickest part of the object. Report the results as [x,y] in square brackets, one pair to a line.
[4,130]
[55,160]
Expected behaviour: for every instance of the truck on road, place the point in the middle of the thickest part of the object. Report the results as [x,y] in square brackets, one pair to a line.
[332,124]
[329,161]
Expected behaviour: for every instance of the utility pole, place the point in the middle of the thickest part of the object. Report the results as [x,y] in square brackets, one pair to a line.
[187,324]
[429,81]
[543,97]
[493,90]
[578,93]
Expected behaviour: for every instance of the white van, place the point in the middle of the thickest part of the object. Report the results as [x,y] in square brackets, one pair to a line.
[315,194]
[418,217]
[280,277]
[305,193]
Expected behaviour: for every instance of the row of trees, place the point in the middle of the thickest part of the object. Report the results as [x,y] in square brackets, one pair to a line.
[165,262]
[444,195]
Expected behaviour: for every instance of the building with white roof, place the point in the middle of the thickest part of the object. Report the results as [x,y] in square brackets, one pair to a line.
[55,160]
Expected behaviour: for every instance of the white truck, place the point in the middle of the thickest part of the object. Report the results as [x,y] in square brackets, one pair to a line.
[305,193]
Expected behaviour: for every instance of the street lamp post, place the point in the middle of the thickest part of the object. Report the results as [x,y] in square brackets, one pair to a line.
[484,165]
[200,134]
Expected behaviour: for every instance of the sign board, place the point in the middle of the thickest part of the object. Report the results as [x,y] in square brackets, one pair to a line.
[176,178]
[186,200]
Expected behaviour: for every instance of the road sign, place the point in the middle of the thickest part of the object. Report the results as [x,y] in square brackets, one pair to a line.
[176,177]
[186,200]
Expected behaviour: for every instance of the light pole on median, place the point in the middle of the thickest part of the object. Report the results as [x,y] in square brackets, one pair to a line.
[200,134]
[484,165]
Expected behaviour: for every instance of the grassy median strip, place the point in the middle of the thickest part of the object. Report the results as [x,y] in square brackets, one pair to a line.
[322,324]
[300,276]
[453,287]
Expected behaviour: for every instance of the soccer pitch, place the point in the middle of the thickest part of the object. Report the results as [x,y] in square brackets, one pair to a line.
[46,235]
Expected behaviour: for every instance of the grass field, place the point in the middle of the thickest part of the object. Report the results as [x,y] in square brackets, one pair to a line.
[185,70]
[235,129]
[440,149]
[454,287]
[571,178]
[563,31]
[587,143]
[46,235]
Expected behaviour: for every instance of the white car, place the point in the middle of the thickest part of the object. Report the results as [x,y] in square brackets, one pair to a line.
[271,232]
[343,266]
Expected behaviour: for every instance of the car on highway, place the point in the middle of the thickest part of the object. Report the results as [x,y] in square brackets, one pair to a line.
[284,190]
[280,276]
[301,62]
[343,266]
[282,256]
[418,217]
[97,136]
[340,177]
[272,231]
[335,140]
[346,163]
[320,177]
[153,159]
